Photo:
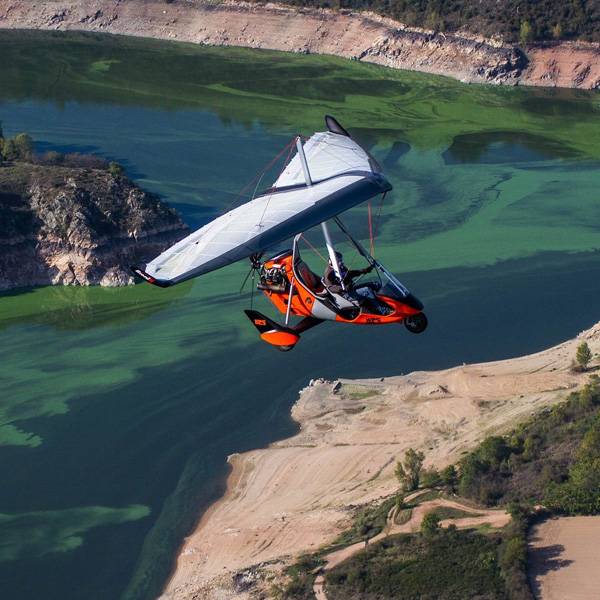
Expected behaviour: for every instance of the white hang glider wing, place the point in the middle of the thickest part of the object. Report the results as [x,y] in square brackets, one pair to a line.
[340,175]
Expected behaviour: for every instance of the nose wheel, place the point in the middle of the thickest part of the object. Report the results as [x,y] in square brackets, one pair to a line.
[416,323]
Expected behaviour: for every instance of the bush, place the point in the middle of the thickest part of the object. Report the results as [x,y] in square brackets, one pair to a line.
[449,477]
[115,169]
[525,33]
[24,146]
[9,150]
[430,478]
[430,524]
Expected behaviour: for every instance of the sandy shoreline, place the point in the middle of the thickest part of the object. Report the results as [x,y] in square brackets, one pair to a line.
[299,493]
[355,35]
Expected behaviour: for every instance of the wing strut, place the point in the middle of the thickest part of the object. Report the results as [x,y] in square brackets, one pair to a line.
[326,235]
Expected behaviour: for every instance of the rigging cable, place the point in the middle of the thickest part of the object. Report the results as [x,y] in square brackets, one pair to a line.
[372,245]
[290,146]
[379,214]
[313,248]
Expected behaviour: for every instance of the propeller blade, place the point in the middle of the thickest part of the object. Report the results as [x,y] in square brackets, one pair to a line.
[250,272]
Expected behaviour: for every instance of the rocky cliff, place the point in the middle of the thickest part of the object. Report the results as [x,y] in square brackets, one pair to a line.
[355,35]
[77,226]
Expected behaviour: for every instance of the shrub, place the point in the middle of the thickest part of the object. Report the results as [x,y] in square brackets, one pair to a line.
[24,146]
[430,478]
[525,33]
[115,169]
[430,524]
[449,477]
[583,355]
[9,150]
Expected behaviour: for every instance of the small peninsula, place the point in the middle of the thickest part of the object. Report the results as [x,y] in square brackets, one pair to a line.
[74,219]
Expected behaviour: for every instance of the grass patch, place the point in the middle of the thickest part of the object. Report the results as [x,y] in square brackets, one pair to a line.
[358,392]
[426,497]
[403,516]
[449,512]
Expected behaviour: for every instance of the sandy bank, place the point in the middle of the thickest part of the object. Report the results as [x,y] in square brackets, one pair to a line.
[298,494]
[359,36]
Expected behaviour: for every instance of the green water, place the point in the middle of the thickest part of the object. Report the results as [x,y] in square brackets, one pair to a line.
[119,407]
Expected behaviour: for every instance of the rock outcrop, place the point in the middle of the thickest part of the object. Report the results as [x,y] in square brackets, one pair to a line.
[356,35]
[77,226]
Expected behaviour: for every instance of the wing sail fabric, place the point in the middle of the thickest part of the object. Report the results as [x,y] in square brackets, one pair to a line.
[343,177]
[327,154]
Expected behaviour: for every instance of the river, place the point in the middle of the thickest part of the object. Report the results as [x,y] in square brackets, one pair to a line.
[118,407]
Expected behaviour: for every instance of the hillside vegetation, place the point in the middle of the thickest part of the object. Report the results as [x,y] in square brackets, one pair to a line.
[514,20]
[553,459]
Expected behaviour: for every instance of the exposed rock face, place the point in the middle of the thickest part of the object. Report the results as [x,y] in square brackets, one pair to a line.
[75,226]
[355,35]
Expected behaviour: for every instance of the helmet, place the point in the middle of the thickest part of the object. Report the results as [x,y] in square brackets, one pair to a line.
[340,262]
[339,257]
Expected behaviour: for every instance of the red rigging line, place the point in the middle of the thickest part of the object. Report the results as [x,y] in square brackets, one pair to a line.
[372,245]
[379,214]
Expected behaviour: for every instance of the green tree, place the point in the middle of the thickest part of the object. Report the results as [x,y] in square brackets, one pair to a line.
[583,355]
[449,477]
[115,169]
[430,524]
[430,478]
[525,33]
[9,150]
[409,473]
[24,146]
[514,553]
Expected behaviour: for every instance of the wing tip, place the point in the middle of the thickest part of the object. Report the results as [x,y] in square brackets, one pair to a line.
[333,125]
[147,277]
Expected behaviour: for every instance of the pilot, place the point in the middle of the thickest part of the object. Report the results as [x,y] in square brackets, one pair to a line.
[332,281]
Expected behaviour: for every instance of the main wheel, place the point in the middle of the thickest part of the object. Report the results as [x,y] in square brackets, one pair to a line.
[416,323]
[284,348]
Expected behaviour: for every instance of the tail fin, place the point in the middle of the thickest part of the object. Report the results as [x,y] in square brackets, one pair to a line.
[283,338]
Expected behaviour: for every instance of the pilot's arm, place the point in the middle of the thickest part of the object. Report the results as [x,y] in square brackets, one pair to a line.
[357,272]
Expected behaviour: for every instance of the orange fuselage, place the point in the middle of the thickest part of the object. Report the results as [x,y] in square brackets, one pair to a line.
[303,299]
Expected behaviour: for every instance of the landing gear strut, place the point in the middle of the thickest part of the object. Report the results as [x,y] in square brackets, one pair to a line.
[416,323]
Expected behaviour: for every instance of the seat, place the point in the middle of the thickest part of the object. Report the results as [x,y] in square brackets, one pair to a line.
[308,278]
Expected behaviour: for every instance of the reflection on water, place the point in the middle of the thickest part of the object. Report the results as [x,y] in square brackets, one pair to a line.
[505,147]
[86,307]
[119,406]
